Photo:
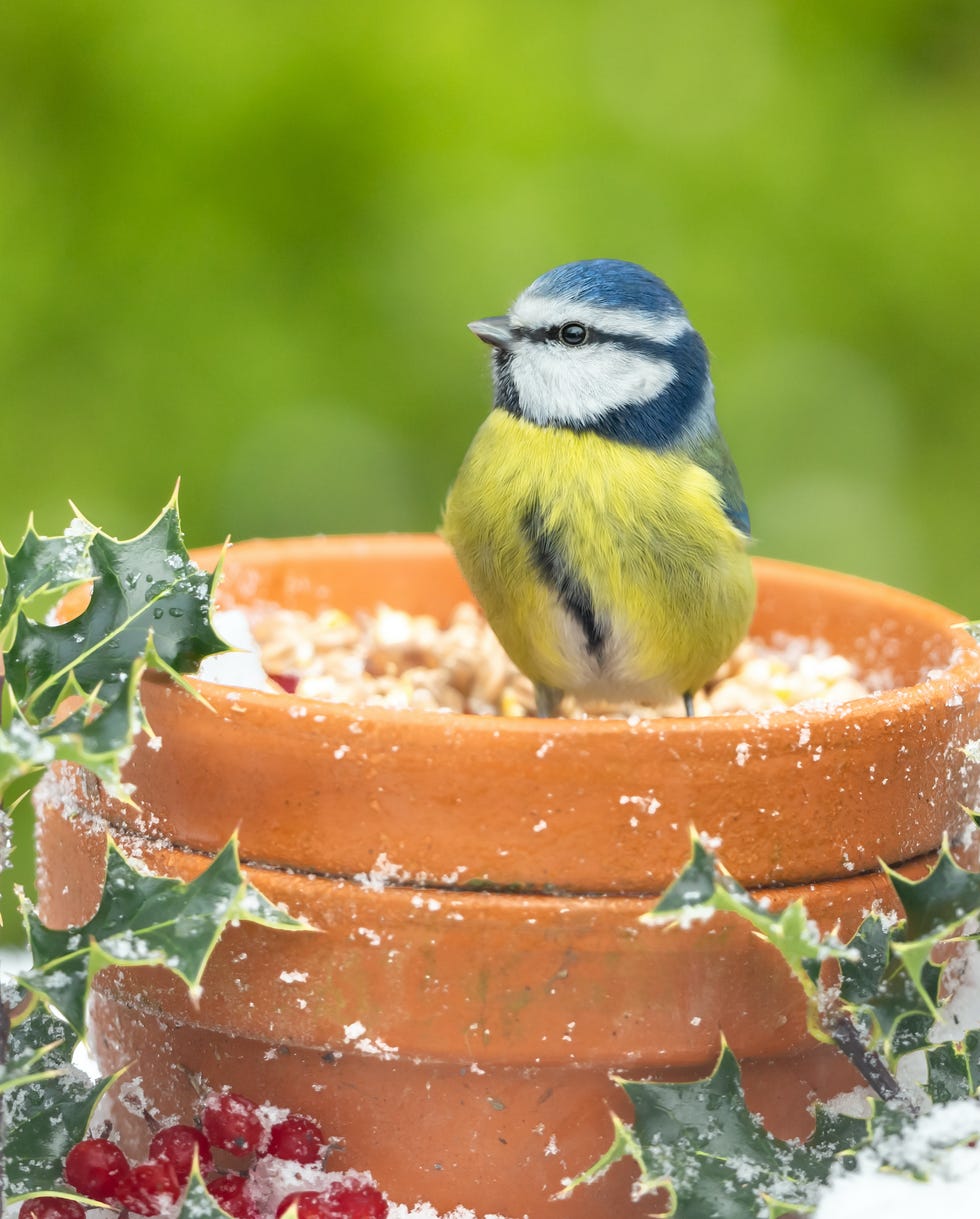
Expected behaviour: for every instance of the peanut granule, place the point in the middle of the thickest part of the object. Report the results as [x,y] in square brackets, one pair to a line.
[410,662]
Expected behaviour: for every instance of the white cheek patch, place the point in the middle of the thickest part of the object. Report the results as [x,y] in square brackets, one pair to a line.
[542,312]
[557,384]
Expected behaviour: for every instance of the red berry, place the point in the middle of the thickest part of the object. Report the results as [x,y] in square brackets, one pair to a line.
[231,1122]
[296,1138]
[49,1207]
[288,681]
[344,1200]
[95,1167]
[149,1188]
[175,1145]
[309,1205]
[355,1200]
[231,1195]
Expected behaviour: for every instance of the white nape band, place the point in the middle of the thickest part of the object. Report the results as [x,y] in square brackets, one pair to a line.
[533,312]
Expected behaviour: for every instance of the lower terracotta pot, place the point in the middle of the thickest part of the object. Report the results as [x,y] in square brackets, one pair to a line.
[460,1040]
[460,1043]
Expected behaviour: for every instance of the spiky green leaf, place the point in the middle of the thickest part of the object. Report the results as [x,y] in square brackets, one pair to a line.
[863,970]
[938,903]
[703,887]
[950,1073]
[141,588]
[149,606]
[45,1116]
[144,920]
[196,1202]
[701,1151]
[40,572]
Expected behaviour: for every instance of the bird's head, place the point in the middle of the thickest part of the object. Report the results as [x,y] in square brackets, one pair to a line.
[602,345]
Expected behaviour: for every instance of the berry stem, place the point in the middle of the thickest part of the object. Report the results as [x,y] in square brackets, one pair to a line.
[869,1064]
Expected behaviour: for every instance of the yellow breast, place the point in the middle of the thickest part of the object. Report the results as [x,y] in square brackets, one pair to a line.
[606,570]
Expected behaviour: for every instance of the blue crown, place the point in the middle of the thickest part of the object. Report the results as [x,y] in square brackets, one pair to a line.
[611,283]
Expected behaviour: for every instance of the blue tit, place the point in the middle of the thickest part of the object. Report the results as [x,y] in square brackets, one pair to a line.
[598,516]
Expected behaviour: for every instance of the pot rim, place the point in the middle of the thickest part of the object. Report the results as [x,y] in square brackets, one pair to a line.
[566,805]
[962,668]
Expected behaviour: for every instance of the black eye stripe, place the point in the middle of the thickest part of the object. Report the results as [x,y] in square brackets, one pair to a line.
[626,342]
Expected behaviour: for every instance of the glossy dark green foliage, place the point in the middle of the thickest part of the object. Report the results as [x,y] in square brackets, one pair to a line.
[701,1153]
[704,886]
[149,607]
[954,1068]
[144,920]
[938,902]
[47,1106]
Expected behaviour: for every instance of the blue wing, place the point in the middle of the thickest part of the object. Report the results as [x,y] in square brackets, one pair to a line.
[711,453]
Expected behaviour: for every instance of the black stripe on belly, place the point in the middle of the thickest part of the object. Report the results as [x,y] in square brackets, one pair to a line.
[549,559]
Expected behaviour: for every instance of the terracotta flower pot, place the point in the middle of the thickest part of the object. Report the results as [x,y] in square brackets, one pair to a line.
[457,1026]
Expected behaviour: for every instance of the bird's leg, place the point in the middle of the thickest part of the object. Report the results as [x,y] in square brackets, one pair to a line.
[689,702]
[548,700]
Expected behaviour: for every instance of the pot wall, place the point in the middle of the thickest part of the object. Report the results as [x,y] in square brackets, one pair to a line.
[462,1046]
[574,806]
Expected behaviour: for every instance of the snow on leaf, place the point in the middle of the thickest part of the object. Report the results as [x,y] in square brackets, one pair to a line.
[701,1151]
[952,1068]
[44,1116]
[862,972]
[196,1202]
[144,920]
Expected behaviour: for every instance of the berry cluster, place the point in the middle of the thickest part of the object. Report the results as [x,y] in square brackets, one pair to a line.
[229,1122]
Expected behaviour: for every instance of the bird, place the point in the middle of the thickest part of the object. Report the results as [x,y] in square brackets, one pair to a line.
[598,516]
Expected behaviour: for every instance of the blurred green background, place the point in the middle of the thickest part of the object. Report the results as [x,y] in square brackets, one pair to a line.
[239,243]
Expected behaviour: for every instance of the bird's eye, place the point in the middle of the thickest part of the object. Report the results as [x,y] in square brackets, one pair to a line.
[573,334]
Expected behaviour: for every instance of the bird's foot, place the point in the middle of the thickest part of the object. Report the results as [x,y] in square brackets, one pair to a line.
[548,700]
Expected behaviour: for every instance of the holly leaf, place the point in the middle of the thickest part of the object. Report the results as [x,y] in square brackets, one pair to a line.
[45,1112]
[27,1065]
[40,572]
[893,982]
[23,752]
[102,742]
[149,607]
[937,904]
[196,1202]
[701,1151]
[862,972]
[953,1070]
[147,587]
[144,920]
[704,886]
[889,988]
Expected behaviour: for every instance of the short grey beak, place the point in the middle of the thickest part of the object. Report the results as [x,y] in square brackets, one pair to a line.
[493,330]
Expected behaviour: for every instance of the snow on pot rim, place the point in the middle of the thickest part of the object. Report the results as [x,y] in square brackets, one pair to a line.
[574,806]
